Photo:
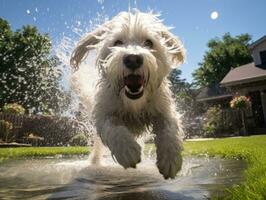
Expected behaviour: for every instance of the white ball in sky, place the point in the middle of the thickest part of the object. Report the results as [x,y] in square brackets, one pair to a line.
[214,15]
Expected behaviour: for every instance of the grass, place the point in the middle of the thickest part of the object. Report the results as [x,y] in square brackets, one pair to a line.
[252,149]
[20,152]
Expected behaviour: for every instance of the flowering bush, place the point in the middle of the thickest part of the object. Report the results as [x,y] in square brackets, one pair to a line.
[13,108]
[6,128]
[241,103]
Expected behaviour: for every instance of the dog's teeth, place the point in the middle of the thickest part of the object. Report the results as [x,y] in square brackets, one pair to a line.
[140,89]
[134,93]
[127,89]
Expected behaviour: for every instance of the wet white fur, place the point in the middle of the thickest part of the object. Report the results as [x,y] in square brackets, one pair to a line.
[120,120]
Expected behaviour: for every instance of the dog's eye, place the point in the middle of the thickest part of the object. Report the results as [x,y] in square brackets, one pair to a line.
[118,43]
[148,43]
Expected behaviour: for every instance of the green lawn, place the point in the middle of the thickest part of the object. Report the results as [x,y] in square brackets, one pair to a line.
[252,149]
[19,152]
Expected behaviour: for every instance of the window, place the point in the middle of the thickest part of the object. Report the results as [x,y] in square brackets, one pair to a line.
[263,57]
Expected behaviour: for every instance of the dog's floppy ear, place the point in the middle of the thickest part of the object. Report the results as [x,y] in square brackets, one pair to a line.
[85,45]
[175,47]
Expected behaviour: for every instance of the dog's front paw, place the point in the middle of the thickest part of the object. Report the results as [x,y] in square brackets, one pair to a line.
[169,160]
[126,150]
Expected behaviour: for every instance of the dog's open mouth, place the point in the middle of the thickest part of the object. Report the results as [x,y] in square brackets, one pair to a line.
[134,86]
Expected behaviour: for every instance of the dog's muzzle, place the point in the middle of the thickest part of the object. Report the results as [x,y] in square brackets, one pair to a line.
[134,86]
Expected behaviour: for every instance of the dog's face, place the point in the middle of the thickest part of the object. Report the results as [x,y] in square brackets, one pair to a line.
[135,53]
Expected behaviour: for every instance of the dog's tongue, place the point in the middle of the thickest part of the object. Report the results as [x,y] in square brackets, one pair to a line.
[134,82]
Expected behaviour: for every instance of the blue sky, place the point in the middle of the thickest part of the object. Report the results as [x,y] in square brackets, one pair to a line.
[191,19]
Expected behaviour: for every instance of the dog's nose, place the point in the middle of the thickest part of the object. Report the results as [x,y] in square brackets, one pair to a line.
[133,61]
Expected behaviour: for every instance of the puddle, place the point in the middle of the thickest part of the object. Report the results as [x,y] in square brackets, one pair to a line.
[58,178]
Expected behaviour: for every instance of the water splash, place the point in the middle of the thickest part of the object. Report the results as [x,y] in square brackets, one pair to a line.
[82,83]
[81,86]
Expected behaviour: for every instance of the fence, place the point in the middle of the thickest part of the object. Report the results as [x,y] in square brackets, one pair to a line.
[17,120]
[56,131]
[229,123]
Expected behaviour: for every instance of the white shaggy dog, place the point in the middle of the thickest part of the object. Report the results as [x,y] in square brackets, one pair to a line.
[135,53]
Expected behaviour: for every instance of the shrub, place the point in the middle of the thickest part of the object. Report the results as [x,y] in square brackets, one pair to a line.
[57,131]
[79,140]
[213,122]
[13,108]
[6,129]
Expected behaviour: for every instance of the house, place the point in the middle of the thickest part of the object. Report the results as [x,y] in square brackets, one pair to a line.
[249,80]
[214,94]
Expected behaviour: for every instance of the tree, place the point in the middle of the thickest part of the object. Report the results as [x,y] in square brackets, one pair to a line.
[184,92]
[28,73]
[177,84]
[222,55]
[185,97]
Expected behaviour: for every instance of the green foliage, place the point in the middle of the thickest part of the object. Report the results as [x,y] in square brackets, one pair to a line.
[79,140]
[28,73]
[182,90]
[222,55]
[177,84]
[185,97]
[213,122]
[13,108]
[6,130]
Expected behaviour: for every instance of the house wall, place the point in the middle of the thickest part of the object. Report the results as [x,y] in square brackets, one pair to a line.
[263,101]
[260,86]
[256,52]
